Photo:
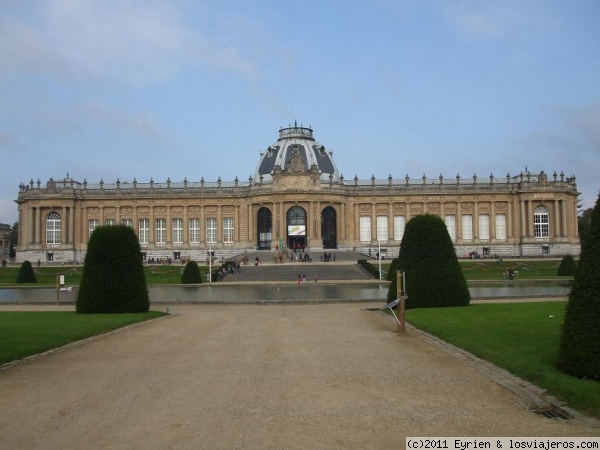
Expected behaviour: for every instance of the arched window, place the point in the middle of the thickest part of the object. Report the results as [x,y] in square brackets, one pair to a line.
[53,228]
[541,222]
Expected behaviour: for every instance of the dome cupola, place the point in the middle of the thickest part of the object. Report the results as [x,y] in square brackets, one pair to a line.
[297,141]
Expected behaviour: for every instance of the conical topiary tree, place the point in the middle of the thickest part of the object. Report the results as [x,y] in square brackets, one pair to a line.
[433,275]
[580,341]
[113,278]
[191,273]
[26,273]
[392,277]
[567,267]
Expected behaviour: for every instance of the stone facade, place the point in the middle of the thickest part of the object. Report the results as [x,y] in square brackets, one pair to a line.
[5,241]
[293,202]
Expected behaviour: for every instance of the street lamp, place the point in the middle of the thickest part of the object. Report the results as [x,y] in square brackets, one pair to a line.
[379,253]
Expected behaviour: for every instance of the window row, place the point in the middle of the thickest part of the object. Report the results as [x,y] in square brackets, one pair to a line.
[177,228]
[541,226]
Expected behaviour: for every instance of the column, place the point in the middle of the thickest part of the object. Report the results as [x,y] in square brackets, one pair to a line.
[374,236]
[169,220]
[202,226]
[476,221]
[557,218]
[31,225]
[564,219]
[492,221]
[342,226]
[530,232]
[251,221]
[71,237]
[458,222]
[39,220]
[152,227]
[64,226]
[522,204]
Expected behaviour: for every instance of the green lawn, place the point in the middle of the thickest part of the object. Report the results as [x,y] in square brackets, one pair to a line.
[522,338]
[28,333]
[46,276]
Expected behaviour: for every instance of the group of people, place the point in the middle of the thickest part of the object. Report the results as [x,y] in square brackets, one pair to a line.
[326,257]
[302,278]
[229,269]
[166,261]
[302,257]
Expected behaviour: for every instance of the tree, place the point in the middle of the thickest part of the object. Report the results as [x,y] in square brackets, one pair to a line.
[583,223]
[567,266]
[433,275]
[191,273]
[113,278]
[26,273]
[14,239]
[580,339]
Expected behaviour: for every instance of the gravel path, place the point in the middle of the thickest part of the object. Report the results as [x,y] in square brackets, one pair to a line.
[251,376]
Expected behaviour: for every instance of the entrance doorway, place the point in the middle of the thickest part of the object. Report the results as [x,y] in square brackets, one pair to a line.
[264,229]
[328,227]
[296,228]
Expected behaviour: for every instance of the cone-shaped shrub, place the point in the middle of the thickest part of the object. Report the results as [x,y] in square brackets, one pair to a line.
[580,341]
[113,274]
[433,274]
[191,273]
[392,271]
[26,273]
[567,267]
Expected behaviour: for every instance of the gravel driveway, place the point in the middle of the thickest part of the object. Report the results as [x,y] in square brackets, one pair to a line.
[251,376]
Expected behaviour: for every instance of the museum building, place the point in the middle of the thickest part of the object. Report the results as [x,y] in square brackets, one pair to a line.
[297,198]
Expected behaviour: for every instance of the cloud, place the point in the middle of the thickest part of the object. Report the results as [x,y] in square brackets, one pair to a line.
[498,19]
[144,124]
[139,42]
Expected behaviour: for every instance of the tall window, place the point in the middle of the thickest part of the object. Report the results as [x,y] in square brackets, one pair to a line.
[500,227]
[92,225]
[450,220]
[211,230]
[53,228]
[382,228]
[365,229]
[194,231]
[484,227]
[228,230]
[541,222]
[144,231]
[110,222]
[127,222]
[177,231]
[399,224]
[467,227]
[161,231]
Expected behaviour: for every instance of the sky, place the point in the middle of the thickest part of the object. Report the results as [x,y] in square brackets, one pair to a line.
[197,89]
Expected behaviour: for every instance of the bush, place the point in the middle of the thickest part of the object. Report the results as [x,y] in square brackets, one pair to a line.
[113,278]
[580,340]
[373,271]
[433,274]
[26,273]
[567,267]
[393,270]
[191,273]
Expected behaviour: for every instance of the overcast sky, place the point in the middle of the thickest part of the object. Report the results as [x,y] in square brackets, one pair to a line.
[141,89]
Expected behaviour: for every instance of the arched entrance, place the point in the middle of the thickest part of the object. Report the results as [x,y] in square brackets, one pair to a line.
[296,227]
[328,227]
[264,228]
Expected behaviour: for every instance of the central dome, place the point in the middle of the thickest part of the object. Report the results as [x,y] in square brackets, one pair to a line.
[300,139]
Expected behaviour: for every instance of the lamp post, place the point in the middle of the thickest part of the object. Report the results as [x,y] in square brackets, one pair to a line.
[209,263]
[379,253]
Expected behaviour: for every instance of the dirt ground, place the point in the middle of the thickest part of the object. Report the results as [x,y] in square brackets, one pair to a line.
[252,376]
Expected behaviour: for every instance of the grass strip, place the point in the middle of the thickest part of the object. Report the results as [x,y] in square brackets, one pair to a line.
[522,338]
[25,333]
